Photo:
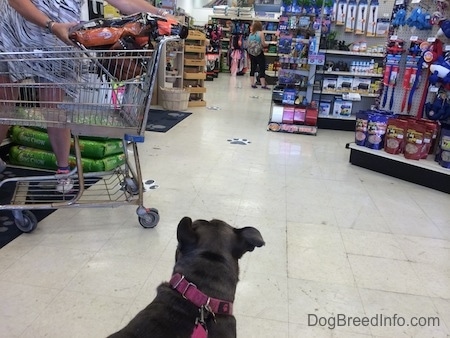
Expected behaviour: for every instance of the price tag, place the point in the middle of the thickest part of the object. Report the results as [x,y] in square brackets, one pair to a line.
[431,39]
[415,1]
[394,37]
[413,38]
[447,48]
[433,89]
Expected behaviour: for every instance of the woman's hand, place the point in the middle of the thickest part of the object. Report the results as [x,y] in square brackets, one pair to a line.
[61,31]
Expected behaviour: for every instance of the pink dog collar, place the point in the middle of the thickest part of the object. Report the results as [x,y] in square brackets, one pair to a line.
[189,291]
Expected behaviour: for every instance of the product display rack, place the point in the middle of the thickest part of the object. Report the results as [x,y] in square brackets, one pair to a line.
[351,40]
[171,67]
[426,172]
[329,92]
[292,109]
[194,74]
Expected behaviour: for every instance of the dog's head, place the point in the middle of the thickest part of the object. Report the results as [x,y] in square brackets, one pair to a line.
[213,247]
[215,237]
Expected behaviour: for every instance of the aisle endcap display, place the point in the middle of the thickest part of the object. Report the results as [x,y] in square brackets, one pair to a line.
[292,109]
[194,73]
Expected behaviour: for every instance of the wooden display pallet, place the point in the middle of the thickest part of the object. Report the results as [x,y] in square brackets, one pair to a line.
[194,49]
[199,103]
[194,76]
[195,90]
[195,35]
[194,62]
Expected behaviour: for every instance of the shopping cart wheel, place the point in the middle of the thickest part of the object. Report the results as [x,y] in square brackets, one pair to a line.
[150,219]
[25,220]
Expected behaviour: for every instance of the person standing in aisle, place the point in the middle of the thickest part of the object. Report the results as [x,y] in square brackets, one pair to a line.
[37,23]
[257,43]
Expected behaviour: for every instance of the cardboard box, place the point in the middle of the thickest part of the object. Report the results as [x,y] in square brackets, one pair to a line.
[324,108]
[329,84]
[361,84]
[289,95]
[299,115]
[288,115]
[344,83]
[342,108]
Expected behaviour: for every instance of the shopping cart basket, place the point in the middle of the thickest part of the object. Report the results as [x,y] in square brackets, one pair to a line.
[107,93]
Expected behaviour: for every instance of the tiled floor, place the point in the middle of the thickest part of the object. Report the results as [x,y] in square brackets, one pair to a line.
[340,240]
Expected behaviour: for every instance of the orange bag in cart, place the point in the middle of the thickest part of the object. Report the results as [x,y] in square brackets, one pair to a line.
[130,34]
[105,32]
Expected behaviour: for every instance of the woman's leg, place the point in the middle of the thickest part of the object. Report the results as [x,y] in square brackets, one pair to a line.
[7,92]
[11,93]
[60,138]
[262,69]
[253,64]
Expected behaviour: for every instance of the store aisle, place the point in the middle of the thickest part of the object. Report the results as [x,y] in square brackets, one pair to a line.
[341,241]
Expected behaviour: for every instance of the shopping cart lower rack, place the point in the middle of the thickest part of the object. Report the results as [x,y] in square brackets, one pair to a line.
[92,101]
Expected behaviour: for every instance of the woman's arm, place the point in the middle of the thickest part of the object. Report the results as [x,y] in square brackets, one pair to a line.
[263,39]
[135,6]
[32,14]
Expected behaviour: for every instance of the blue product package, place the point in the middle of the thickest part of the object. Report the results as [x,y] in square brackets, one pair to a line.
[362,118]
[444,145]
[376,129]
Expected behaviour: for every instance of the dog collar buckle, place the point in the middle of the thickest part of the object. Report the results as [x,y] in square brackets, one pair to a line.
[188,285]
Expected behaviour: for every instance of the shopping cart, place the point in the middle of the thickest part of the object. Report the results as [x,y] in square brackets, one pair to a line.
[107,93]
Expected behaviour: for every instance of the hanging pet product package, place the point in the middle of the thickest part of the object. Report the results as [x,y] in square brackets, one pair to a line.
[361,18]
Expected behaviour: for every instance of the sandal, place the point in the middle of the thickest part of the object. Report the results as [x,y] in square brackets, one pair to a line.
[254,86]
[265,87]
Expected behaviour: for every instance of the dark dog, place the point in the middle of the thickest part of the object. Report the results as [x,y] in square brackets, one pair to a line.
[198,300]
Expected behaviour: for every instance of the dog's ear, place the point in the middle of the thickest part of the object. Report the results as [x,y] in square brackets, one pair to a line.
[185,233]
[249,238]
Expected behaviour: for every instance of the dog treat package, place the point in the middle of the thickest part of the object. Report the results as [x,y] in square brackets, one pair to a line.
[376,130]
[415,134]
[444,148]
[431,133]
[395,135]
[362,118]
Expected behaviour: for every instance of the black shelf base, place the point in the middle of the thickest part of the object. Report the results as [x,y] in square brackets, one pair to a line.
[409,172]
[336,124]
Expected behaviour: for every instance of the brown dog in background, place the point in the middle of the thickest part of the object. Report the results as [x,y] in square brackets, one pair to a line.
[198,300]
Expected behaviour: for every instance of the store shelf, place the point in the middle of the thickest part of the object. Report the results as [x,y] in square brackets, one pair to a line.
[194,62]
[426,173]
[336,123]
[345,52]
[292,128]
[195,90]
[194,73]
[199,103]
[326,72]
[340,93]
[194,76]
